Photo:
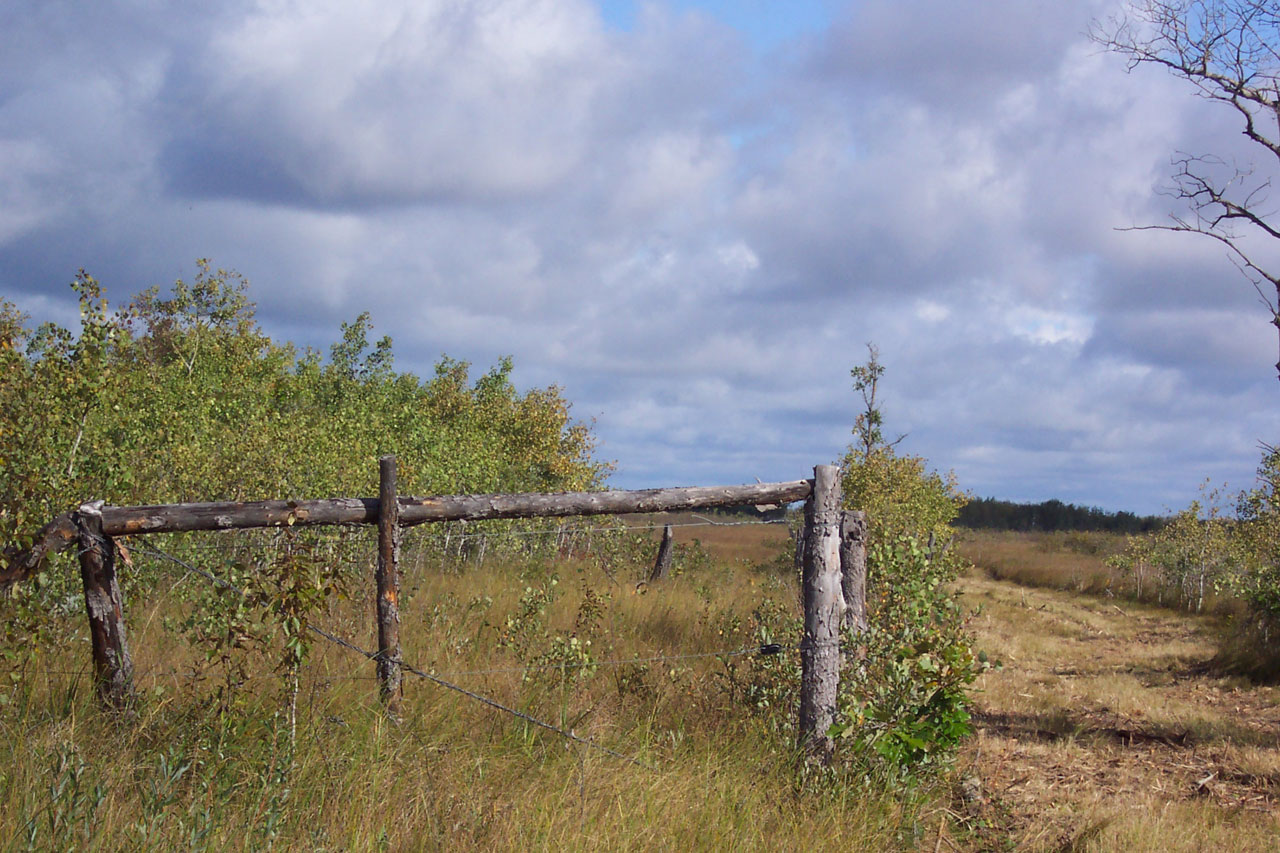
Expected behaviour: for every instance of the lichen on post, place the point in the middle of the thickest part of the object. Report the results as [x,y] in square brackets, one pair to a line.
[823,614]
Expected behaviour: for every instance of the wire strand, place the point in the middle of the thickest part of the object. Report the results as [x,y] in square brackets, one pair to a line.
[373,656]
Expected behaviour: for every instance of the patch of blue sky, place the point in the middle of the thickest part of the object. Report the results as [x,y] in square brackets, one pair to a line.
[764,24]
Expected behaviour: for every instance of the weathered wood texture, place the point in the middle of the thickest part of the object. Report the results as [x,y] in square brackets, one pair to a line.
[479,507]
[387,579]
[112,665]
[173,518]
[226,515]
[823,614]
[853,568]
[662,565]
[21,563]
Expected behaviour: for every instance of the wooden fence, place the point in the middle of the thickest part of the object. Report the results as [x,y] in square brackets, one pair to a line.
[831,548]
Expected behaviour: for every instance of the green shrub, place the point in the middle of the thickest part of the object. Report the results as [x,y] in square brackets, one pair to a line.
[902,707]
[182,397]
[902,695]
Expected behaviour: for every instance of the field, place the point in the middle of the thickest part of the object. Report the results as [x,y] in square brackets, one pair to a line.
[456,774]
[1103,730]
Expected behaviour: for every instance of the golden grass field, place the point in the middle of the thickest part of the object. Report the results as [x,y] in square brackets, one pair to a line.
[455,774]
[1102,731]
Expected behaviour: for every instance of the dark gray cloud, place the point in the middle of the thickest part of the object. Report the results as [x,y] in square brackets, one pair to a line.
[692,230]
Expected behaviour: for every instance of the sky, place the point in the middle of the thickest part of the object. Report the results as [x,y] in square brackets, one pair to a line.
[691,216]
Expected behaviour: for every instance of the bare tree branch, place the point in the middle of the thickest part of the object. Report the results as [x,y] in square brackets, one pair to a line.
[1230,51]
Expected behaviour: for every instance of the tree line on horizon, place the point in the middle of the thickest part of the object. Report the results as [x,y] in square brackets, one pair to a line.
[1052,516]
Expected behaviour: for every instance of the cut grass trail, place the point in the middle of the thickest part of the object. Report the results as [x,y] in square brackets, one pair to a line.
[1104,731]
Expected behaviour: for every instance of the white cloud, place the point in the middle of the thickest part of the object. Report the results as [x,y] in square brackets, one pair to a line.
[931,312]
[1049,327]
[388,101]
[692,236]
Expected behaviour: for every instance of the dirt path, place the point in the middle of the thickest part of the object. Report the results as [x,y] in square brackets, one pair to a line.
[1103,731]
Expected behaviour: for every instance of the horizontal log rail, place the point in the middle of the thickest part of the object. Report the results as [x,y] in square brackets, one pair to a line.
[834,561]
[228,515]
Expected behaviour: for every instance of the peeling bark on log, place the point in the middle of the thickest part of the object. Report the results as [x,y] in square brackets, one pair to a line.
[853,568]
[53,537]
[823,614]
[387,578]
[222,516]
[112,665]
[227,515]
[662,565]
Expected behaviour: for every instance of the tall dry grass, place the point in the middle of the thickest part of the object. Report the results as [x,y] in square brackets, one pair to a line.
[1068,561]
[189,773]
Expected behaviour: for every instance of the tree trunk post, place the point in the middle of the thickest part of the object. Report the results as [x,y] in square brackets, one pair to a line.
[112,664]
[387,578]
[662,565]
[823,614]
[853,568]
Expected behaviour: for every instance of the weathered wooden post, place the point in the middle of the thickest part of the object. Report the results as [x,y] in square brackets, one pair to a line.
[823,614]
[662,565]
[112,665]
[388,583]
[853,568]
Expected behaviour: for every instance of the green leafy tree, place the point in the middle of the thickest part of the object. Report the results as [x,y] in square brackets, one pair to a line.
[180,396]
[1258,578]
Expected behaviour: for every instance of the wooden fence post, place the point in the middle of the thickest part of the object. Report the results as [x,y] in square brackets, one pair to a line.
[662,565]
[112,665]
[853,568]
[388,582]
[823,614]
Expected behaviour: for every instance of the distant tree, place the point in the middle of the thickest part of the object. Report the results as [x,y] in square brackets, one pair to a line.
[900,495]
[1229,50]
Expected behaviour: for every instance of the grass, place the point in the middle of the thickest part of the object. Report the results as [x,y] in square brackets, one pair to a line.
[1101,731]
[456,774]
[1074,561]
[1104,730]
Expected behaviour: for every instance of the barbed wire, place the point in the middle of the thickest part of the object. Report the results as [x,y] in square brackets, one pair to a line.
[428,528]
[377,657]
[765,649]
[556,531]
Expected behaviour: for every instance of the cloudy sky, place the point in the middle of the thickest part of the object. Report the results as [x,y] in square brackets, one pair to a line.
[690,214]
